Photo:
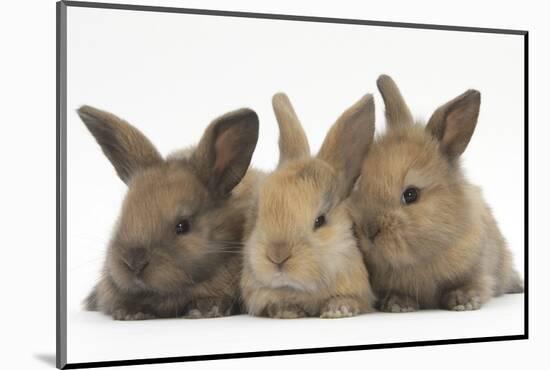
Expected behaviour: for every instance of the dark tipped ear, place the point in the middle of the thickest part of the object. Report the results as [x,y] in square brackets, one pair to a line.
[293,143]
[223,155]
[397,112]
[348,141]
[125,146]
[453,123]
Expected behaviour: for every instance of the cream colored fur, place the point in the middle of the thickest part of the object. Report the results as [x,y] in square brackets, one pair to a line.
[291,268]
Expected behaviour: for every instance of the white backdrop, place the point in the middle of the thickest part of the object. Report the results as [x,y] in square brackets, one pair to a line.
[28,151]
[171,74]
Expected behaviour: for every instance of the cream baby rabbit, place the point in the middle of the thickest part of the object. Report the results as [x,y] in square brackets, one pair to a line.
[301,258]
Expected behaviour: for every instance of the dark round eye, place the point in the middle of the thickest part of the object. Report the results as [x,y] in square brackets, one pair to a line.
[319,221]
[182,227]
[410,195]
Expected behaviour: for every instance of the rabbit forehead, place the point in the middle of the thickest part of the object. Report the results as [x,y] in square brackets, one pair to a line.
[404,157]
[161,194]
[302,188]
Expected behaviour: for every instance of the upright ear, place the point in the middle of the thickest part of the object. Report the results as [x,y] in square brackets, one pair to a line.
[125,146]
[223,155]
[348,141]
[453,123]
[293,142]
[397,112]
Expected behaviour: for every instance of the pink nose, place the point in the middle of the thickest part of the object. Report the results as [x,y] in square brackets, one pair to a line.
[278,254]
[373,229]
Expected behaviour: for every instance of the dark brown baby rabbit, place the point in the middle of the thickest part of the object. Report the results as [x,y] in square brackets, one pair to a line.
[175,250]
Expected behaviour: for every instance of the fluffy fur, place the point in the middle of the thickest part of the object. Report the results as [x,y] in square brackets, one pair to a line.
[151,270]
[445,250]
[291,267]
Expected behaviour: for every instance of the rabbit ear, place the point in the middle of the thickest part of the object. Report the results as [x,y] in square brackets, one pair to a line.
[125,146]
[223,155]
[293,142]
[397,112]
[348,141]
[453,123]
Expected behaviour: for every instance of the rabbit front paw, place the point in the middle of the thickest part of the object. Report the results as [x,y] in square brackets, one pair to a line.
[284,311]
[209,308]
[462,300]
[397,303]
[122,314]
[340,307]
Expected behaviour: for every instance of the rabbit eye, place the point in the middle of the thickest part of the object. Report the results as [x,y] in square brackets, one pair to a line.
[319,221]
[410,195]
[183,227]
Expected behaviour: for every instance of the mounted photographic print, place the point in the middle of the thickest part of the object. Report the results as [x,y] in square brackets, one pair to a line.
[239,184]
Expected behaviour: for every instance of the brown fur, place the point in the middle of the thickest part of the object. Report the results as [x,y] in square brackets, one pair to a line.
[194,274]
[444,250]
[322,272]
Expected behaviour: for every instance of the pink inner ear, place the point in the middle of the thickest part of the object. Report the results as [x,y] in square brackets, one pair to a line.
[226,151]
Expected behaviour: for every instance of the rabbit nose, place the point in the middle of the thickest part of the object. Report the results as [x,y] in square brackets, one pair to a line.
[373,229]
[136,260]
[278,254]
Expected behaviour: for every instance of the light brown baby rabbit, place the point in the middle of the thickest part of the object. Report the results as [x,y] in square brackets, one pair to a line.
[176,248]
[302,258]
[429,238]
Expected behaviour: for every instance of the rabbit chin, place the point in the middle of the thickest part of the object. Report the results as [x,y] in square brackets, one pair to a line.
[283,280]
[146,284]
[131,284]
[395,253]
[139,285]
